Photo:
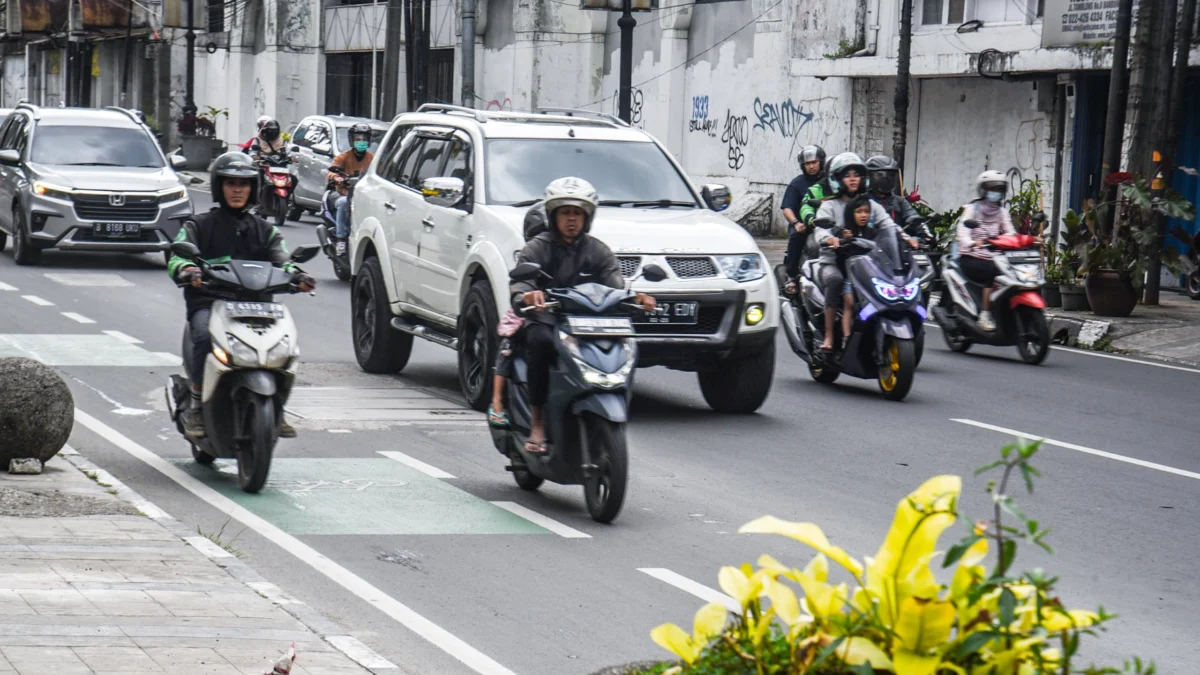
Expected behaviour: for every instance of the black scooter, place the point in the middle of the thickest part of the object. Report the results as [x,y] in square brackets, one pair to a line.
[328,227]
[888,322]
[590,388]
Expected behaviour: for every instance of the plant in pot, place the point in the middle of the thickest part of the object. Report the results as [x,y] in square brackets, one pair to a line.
[198,131]
[1025,208]
[1074,234]
[889,613]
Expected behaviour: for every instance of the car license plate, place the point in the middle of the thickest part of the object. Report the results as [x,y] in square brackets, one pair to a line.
[254,310]
[116,230]
[684,312]
[590,325]
[920,259]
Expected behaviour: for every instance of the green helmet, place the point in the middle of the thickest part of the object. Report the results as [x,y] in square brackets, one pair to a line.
[233,165]
[838,166]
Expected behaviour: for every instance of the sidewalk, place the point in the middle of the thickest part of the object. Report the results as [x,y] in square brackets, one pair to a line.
[89,585]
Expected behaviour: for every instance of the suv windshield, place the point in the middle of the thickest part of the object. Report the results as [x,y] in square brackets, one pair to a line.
[344,138]
[94,146]
[518,170]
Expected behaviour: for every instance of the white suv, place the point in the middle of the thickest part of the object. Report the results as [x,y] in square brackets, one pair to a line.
[438,223]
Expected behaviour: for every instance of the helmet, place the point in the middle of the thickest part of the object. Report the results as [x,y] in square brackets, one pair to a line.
[233,165]
[989,181]
[811,153]
[839,165]
[263,119]
[571,192]
[270,130]
[360,131]
[881,174]
[535,220]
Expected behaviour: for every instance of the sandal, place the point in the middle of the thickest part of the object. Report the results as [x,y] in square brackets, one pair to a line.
[497,419]
[534,448]
[790,288]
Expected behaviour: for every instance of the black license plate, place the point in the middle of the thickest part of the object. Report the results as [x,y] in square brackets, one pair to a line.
[254,310]
[116,230]
[684,312]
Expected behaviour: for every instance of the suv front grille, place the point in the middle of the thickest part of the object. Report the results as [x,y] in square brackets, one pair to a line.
[136,209]
[629,265]
[707,323]
[692,267]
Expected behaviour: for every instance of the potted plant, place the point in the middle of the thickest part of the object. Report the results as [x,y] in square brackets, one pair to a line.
[1074,236]
[1056,274]
[198,132]
[889,613]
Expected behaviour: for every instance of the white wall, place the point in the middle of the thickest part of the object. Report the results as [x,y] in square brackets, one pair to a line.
[13,83]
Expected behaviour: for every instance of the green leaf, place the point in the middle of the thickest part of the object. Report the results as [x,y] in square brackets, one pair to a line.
[973,643]
[988,467]
[1028,476]
[957,551]
[1008,552]
[1008,606]
[1011,508]
[862,669]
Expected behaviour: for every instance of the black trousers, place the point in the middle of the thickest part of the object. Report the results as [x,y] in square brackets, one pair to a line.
[201,343]
[795,251]
[540,355]
[982,272]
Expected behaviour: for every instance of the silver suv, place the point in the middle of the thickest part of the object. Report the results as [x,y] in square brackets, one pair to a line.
[85,179]
[317,141]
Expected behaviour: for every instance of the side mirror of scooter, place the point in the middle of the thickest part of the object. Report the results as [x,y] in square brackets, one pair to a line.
[185,249]
[305,253]
[525,272]
[654,273]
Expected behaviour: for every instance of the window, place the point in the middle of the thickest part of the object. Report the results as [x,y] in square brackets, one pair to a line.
[216,16]
[432,152]
[386,161]
[317,134]
[402,171]
[957,12]
[8,132]
[344,138]
[298,137]
[457,160]
[934,12]
[94,146]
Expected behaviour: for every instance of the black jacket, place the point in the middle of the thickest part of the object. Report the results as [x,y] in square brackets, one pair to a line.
[794,196]
[587,260]
[223,235]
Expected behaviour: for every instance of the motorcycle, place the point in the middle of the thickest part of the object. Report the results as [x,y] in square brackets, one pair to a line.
[888,322]
[328,228]
[279,184]
[1016,301]
[1189,261]
[589,395]
[250,372]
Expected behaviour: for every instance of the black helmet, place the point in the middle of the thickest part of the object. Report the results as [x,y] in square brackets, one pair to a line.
[270,130]
[882,174]
[535,220]
[233,165]
[810,153]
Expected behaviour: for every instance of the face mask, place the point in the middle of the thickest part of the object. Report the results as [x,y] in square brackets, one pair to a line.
[361,146]
[994,196]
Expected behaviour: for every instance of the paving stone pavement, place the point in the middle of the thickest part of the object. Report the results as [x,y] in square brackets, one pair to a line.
[131,594]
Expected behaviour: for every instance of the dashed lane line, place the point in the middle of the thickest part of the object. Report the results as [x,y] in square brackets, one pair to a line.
[7,287]
[693,587]
[79,318]
[548,523]
[40,302]
[414,463]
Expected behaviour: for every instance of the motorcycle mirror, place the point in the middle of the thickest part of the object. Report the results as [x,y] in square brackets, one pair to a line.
[653,273]
[185,249]
[525,272]
[305,253]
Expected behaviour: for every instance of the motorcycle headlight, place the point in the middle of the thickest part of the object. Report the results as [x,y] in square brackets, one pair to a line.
[911,289]
[742,267]
[591,375]
[886,290]
[241,354]
[281,353]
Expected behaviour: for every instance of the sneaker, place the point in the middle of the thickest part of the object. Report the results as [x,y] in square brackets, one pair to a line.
[193,422]
[286,430]
[340,247]
[986,323]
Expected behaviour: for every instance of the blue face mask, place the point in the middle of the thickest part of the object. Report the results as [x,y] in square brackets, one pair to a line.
[361,146]
[994,196]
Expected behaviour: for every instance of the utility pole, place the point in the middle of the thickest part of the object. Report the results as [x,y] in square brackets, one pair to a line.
[128,56]
[625,96]
[1141,85]
[190,84]
[374,55]
[903,59]
[391,57]
[1118,98]
[468,53]
[1163,106]
[426,23]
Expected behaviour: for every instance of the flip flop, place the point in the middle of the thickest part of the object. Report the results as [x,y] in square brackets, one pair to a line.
[535,448]
[497,419]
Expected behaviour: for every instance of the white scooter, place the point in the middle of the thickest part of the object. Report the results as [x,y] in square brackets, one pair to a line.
[249,374]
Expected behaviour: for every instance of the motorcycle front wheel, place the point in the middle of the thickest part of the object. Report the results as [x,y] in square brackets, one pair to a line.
[897,368]
[1193,285]
[1033,339]
[261,433]
[604,487]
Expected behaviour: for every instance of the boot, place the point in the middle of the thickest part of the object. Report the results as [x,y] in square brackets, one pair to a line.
[286,430]
[193,422]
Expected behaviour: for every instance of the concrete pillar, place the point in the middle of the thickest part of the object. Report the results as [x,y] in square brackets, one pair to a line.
[672,83]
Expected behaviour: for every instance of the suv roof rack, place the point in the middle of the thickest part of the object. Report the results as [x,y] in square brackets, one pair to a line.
[24,104]
[579,112]
[447,109]
[135,115]
[482,116]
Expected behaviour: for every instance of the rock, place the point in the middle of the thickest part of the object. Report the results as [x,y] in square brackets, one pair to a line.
[29,465]
[37,410]
[752,210]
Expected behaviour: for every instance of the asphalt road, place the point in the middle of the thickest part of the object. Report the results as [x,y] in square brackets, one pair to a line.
[437,572]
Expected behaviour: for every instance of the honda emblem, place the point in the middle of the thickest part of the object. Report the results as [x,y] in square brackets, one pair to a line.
[116,200]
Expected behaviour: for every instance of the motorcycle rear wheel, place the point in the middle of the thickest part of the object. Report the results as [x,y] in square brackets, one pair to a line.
[1193,285]
[254,457]
[897,370]
[201,456]
[604,490]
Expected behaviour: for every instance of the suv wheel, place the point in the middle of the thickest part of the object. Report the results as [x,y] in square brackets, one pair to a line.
[378,347]
[3,241]
[24,253]
[477,345]
[741,386]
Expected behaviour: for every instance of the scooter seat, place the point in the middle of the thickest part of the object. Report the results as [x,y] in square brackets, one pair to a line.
[810,269]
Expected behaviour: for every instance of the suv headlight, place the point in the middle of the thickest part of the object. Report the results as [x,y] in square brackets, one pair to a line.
[241,354]
[280,354]
[45,189]
[742,267]
[172,195]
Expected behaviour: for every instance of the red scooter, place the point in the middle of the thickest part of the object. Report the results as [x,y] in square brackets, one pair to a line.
[1016,301]
[279,182]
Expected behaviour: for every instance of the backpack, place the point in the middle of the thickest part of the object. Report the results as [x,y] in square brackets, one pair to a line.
[535,220]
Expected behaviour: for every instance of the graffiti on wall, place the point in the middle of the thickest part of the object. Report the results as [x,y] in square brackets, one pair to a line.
[807,121]
[635,107]
[500,102]
[736,135]
[785,118]
[260,97]
[1028,150]
[700,121]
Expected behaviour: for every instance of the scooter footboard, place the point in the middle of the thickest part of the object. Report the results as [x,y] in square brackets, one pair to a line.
[610,406]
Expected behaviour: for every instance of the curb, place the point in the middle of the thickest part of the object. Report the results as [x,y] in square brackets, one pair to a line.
[1069,330]
[323,628]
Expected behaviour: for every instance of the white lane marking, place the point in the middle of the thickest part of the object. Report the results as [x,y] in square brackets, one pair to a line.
[208,547]
[1079,448]
[362,654]
[40,302]
[695,588]
[6,287]
[118,407]
[401,613]
[1100,355]
[77,317]
[122,337]
[339,431]
[414,463]
[543,521]
[170,358]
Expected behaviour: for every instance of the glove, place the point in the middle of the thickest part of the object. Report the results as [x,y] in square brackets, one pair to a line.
[191,275]
[304,281]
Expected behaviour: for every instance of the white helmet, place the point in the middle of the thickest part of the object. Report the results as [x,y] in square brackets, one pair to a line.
[989,181]
[263,119]
[571,191]
[839,165]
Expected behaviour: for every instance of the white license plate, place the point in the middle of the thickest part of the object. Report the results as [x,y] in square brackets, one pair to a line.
[593,325]
[254,310]
[116,230]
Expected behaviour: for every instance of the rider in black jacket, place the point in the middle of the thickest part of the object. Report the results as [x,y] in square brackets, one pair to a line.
[812,166]
[883,181]
[571,257]
[227,232]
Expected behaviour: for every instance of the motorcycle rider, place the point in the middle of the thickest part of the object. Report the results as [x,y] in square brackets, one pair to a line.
[812,170]
[258,125]
[847,180]
[883,180]
[353,162]
[228,231]
[269,140]
[571,257]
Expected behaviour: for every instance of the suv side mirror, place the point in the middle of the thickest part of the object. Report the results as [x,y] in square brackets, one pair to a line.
[653,273]
[323,149]
[10,157]
[305,253]
[178,162]
[447,192]
[717,197]
[525,272]
[185,249]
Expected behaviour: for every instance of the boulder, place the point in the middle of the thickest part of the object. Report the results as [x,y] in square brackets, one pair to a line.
[752,210]
[37,410]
